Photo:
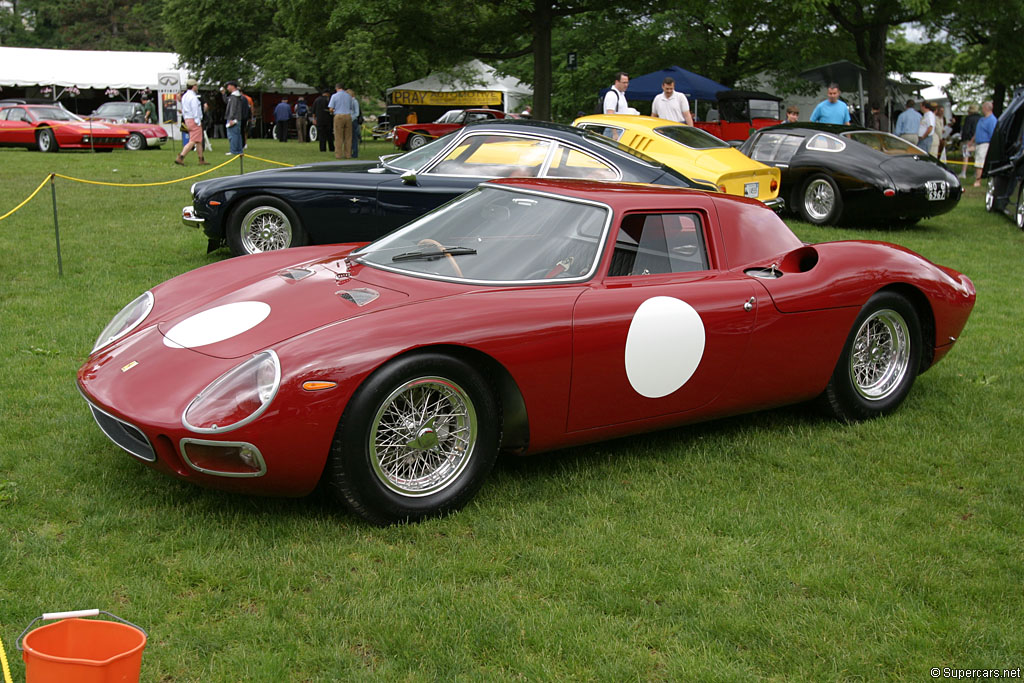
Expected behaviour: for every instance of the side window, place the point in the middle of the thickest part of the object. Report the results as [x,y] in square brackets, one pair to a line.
[496,156]
[14,114]
[650,244]
[826,143]
[607,131]
[572,163]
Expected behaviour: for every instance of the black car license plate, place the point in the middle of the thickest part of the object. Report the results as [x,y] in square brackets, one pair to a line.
[937,190]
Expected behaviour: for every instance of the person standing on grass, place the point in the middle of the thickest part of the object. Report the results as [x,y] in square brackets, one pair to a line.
[322,120]
[831,109]
[341,108]
[301,111]
[192,111]
[671,105]
[982,137]
[148,109]
[282,114]
[926,127]
[357,123]
[234,114]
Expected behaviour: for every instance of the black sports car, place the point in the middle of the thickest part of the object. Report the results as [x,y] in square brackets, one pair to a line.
[1004,163]
[831,173]
[354,201]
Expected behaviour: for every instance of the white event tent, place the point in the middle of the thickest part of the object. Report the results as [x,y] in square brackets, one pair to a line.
[471,84]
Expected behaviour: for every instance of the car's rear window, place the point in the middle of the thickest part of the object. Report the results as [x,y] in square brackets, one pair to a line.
[776,148]
[691,137]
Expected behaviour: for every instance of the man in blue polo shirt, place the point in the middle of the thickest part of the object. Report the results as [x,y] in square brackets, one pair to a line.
[832,110]
[982,136]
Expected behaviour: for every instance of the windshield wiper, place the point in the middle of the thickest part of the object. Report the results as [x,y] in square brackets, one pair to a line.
[433,253]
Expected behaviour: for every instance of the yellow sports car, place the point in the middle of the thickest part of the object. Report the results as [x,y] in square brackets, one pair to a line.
[691,151]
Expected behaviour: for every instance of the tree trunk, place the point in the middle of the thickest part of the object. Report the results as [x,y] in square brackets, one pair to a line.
[998,97]
[542,60]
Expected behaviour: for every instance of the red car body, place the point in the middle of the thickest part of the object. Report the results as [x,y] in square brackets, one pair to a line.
[776,318]
[49,128]
[413,135]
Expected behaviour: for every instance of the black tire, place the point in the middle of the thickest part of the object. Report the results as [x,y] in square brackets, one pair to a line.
[416,141]
[435,465]
[135,142]
[261,224]
[820,201]
[880,360]
[46,141]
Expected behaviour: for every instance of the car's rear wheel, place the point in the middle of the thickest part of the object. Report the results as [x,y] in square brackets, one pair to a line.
[820,202]
[416,440]
[261,224]
[46,141]
[416,141]
[879,361]
[990,198]
[135,142]
[313,134]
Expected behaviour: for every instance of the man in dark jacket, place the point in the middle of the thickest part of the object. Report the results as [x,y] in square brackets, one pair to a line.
[282,114]
[967,136]
[324,120]
[235,114]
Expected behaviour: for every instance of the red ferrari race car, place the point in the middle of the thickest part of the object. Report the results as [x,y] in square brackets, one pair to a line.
[50,127]
[524,316]
[415,135]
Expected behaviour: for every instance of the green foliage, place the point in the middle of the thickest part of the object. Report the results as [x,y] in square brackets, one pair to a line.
[84,24]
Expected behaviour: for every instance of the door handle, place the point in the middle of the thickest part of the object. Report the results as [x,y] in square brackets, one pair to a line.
[749,305]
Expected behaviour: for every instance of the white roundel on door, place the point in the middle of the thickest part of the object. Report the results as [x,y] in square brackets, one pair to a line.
[664,346]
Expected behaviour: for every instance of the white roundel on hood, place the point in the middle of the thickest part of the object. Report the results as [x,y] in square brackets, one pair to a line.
[217,324]
[664,346]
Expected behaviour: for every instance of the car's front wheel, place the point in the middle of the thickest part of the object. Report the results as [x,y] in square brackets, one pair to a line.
[135,142]
[417,439]
[820,201]
[261,224]
[46,141]
[990,198]
[416,141]
[879,361]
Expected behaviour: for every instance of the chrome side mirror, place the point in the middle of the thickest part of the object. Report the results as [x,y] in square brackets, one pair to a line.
[409,178]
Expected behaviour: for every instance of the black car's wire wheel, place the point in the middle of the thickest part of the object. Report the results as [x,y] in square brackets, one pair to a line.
[416,440]
[879,361]
[261,224]
[820,201]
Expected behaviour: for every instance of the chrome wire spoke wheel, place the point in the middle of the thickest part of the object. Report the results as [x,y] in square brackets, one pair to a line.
[423,436]
[990,197]
[880,357]
[1020,215]
[819,199]
[266,228]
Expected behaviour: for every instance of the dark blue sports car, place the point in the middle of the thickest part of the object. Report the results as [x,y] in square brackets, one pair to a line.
[355,201]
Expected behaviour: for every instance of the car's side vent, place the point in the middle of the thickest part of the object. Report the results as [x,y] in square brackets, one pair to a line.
[359,296]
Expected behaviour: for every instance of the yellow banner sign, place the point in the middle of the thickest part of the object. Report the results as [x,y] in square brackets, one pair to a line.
[464,98]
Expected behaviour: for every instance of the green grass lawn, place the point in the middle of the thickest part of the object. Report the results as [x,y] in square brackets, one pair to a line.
[778,545]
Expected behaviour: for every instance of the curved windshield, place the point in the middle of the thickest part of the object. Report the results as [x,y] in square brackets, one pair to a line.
[417,158]
[498,235]
[691,137]
[52,114]
[115,109]
[884,142]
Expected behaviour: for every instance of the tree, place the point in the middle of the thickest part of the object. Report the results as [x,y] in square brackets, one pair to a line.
[84,24]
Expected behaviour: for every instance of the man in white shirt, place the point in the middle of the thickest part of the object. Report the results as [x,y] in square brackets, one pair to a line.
[670,104]
[615,99]
[192,113]
[926,127]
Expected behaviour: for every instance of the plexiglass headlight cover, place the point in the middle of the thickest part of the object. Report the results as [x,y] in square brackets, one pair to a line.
[130,317]
[237,397]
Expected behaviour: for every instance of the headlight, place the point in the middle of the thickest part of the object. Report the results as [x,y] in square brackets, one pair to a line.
[125,321]
[235,398]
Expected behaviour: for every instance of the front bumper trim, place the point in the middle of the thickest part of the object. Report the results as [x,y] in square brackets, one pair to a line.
[189,217]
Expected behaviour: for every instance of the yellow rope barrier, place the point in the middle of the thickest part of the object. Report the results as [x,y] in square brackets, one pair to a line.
[279,163]
[46,180]
[162,182]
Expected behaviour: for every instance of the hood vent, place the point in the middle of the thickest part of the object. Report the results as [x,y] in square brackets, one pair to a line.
[295,274]
[360,296]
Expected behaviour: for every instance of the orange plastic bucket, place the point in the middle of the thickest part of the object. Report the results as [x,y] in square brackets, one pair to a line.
[83,650]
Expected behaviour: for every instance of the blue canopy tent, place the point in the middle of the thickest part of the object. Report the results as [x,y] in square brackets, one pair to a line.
[694,86]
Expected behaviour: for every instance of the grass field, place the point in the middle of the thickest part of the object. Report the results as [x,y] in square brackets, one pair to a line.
[777,546]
